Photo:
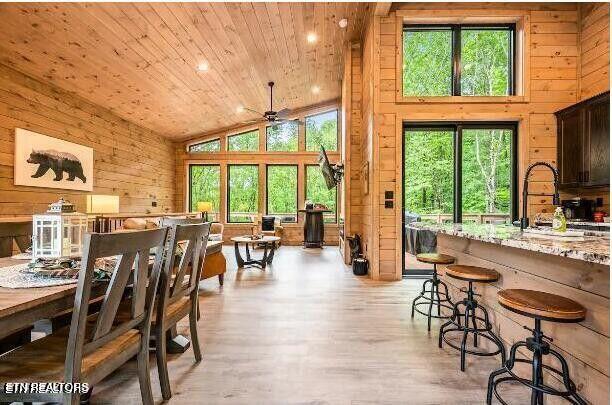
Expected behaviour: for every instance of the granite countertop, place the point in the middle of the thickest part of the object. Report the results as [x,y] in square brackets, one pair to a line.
[594,247]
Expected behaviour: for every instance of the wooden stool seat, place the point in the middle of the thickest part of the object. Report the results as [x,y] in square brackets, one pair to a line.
[538,304]
[435,258]
[472,273]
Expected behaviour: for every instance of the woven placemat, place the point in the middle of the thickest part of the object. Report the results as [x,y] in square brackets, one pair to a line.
[16,277]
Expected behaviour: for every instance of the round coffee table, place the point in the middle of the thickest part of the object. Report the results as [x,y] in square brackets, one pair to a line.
[269,245]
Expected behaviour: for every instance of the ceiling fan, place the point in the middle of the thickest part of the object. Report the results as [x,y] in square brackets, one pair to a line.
[275,117]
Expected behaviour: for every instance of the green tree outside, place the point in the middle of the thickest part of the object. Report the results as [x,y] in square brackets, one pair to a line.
[282,137]
[322,130]
[243,192]
[282,191]
[245,142]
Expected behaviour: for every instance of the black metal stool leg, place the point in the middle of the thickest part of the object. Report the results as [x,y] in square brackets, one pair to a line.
[464,338]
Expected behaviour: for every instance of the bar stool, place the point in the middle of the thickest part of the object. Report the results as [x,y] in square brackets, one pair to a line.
[471,274]
[539,306]
[435,259]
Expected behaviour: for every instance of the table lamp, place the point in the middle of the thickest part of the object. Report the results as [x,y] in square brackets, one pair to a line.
[205,207]
[102,204]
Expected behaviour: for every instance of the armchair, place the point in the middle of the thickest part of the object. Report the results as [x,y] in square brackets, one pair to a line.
[272,226]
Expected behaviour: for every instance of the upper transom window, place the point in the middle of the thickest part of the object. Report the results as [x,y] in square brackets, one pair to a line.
[244,142]
[322,130]
[206,146]
[458,60]
[282,137]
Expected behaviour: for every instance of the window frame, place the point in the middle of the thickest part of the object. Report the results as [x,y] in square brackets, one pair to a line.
[218,139]
[455,30]
[297,198]
[337,129]
[306,194]
[282,151]
[227,141]
[457,128]
[190,200]
[227,190]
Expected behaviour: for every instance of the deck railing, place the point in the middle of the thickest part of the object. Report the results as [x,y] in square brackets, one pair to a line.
[478,218]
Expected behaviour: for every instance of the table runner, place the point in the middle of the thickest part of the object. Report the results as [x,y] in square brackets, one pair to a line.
[15,277]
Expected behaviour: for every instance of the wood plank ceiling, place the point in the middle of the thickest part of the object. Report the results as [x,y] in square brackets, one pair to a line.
[140,59]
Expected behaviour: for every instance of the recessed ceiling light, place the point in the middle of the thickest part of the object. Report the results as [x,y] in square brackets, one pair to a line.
[203,67]
[316,89]
[311,37]
[240,109]
[343,23]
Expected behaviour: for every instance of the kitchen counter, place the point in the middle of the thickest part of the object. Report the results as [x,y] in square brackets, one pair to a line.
[593,248]
[577,269]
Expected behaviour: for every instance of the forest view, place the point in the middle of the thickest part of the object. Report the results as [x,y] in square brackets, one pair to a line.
[486,168]
[281,183]
[485,62]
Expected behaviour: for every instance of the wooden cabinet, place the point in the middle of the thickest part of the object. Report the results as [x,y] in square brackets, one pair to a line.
[583,143]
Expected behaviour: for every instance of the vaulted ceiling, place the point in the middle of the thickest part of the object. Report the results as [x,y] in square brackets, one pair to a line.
[141,60]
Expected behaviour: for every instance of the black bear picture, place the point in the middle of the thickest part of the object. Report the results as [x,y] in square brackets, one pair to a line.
[59,162]
[43,161]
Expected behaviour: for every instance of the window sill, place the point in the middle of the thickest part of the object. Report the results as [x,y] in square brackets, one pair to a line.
[463,99]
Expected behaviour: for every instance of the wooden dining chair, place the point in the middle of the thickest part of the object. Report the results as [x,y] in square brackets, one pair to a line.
[178,291]
[95,345]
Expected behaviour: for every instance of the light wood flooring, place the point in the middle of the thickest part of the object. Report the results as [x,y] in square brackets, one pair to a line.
[306,331]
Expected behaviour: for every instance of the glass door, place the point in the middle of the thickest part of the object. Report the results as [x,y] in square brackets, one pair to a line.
[456,172]
[428,188]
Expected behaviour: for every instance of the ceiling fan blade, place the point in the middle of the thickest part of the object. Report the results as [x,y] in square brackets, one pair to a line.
[253,111]
[283,113]
[279,121]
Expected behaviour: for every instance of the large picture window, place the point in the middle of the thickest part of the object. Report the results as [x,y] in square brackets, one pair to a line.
[205,186]
[458,60]
[244,142]
[281,191]
[317,192]
[282,137]
[322,130]
[207,146]
[460,172]
[242,192]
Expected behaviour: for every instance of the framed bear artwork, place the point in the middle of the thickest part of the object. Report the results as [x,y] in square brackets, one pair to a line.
[43,161]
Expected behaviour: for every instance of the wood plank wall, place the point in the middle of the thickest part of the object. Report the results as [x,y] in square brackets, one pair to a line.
[293,232]
[130,161]
[353,141]
[594,49]
[368,235]
[550,59]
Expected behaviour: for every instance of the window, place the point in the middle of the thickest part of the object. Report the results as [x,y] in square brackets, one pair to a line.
[244,142]
[204,186]
[427,62]
[282,191]
[322,130]
[317,192]
[282,137]
[242,192]
[458,60]
[460,172]
[207,146]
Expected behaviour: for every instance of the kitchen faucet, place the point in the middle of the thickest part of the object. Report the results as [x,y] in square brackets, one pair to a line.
[524,218]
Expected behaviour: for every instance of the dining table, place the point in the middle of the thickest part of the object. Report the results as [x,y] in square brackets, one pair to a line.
[20,308]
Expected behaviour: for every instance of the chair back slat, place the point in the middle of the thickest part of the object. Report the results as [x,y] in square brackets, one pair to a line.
[191,237]
[132,250]
[114,292]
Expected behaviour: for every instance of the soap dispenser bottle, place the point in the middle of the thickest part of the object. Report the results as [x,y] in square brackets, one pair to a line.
[559,223]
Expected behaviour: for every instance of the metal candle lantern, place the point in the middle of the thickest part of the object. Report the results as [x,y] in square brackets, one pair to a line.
[59,232]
